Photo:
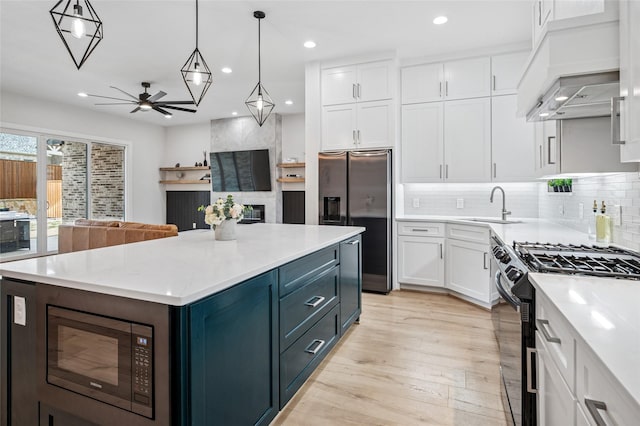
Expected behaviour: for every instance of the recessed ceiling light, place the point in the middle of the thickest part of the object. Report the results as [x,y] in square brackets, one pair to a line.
[562,98]
[544,114]
[288,102]
[440,20]
[226,70]
[82,94]
[234,113]
[309,44]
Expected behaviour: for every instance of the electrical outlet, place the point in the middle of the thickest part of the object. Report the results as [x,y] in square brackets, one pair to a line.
[416,202]
[561,209]
[460,203]
[580,210]
[19,310]
[194,225]
[617,215]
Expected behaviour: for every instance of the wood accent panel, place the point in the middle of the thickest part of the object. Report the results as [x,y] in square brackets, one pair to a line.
[177,169]
[293,207]
[291,165]
[54,198]
[182,209]
[184,182]
[415,358]
[17,179]
[291,179]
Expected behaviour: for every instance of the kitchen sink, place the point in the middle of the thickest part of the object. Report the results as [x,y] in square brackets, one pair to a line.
[491,220]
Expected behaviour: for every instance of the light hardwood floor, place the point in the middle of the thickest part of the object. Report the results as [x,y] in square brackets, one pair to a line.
[415,358]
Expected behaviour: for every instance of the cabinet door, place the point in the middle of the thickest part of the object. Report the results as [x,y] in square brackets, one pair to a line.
[468,269]
[506,71]
[375,124]
[467,140]
[468,78]
[339,85]
[556,404]
[420,261]
[546,147]
[339,127]
[350,282]
[375,81]
[237,385]
[512,142]
[422,83]
[422,142]
[630,80]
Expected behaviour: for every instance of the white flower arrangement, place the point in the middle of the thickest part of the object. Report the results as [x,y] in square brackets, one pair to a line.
[222,210]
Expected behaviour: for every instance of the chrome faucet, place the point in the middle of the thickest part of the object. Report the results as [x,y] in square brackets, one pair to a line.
[505,212]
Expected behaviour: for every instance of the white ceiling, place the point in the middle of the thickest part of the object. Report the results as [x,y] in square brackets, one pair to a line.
[147,40]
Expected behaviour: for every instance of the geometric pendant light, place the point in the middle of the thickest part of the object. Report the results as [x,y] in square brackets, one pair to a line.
[259,102]
[79,27]
[195,72]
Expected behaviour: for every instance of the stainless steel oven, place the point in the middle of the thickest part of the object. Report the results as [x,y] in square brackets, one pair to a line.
[106,359]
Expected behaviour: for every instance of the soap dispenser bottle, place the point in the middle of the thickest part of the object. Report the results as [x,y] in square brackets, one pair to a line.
[603,226]
[592,221]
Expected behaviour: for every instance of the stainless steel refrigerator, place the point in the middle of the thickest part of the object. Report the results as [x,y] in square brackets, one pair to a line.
[355,190]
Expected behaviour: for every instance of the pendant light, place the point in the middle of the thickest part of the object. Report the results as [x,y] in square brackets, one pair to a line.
[259,102]
[195,72]
[79,27]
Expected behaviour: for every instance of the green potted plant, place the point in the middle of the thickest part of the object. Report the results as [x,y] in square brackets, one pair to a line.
[567,184]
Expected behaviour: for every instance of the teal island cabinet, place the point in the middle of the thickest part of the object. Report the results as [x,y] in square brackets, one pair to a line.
[233,356]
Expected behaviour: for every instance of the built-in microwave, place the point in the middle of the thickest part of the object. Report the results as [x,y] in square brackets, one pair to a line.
[106,359]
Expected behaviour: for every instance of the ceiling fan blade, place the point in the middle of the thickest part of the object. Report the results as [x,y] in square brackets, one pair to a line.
[109,97]
[176,102]
[161,111]
[117,103]
[157,96]
[128,94]
[135,110]
[178,108]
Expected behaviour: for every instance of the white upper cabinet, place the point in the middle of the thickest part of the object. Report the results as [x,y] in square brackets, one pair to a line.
[339,127]
[630,80]
[463,79]
[422,142]
[375,124]
[422,83]
[513,145]
[467,132]
[357,83]
[467,78]
[506,71]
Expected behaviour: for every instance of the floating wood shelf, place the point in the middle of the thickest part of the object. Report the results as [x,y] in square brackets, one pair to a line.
[185,181]
[291,179]
[290,165]
[183,169]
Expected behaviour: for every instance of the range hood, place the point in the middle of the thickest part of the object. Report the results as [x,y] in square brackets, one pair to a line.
[579,96]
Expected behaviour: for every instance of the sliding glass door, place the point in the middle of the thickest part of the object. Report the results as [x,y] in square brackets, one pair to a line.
[51,181]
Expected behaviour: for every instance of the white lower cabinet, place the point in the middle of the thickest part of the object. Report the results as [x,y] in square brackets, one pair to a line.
[421,260]
[467,269]
[556,403]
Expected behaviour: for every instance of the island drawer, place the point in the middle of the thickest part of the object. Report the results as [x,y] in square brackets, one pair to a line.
[298,362]
[301,308]
[297,273]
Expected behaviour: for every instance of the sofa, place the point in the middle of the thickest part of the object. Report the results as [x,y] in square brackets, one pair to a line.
[87,234]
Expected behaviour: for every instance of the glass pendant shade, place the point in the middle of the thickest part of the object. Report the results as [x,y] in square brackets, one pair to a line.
[197,76]
[79,27]
[259,102]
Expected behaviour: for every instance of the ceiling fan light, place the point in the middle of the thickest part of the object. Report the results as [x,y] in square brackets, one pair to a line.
[168,115]
[145,106]
[73,24]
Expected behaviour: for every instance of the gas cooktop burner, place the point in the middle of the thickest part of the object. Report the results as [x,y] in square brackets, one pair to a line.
[580,259]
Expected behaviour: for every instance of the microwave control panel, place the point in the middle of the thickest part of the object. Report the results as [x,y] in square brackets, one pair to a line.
[142,354]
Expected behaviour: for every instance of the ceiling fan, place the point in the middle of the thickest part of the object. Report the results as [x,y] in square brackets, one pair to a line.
[145,101]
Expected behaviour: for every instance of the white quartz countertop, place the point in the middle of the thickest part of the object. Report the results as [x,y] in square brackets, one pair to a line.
[180,270]
[604,313]
[527,229]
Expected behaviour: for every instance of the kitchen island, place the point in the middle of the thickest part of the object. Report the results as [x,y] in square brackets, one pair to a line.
[237,326]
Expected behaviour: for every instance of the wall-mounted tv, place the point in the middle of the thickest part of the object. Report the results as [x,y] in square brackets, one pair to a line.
[240,171]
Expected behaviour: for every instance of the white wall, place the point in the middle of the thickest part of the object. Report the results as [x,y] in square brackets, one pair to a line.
[146,144]
[313,135]
[293,146]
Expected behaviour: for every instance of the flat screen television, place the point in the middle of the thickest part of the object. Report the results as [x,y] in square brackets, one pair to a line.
[240,171]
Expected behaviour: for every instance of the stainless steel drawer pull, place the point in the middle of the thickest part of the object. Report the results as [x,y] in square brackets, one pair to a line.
[542,326]
[484,260]
[530,387]
[353,243]
[494,83]
[616,138]
[440,171]
[319,343]
[419,230]
[353,136]
[353,91]
[593,407]
[441,252]
[440,89]
[314,301]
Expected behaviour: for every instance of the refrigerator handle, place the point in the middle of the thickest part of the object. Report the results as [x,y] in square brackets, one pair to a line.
[334,153]
[372,153]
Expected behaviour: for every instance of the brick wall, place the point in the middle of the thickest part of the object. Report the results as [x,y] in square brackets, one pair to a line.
[74,181]
[107,181]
